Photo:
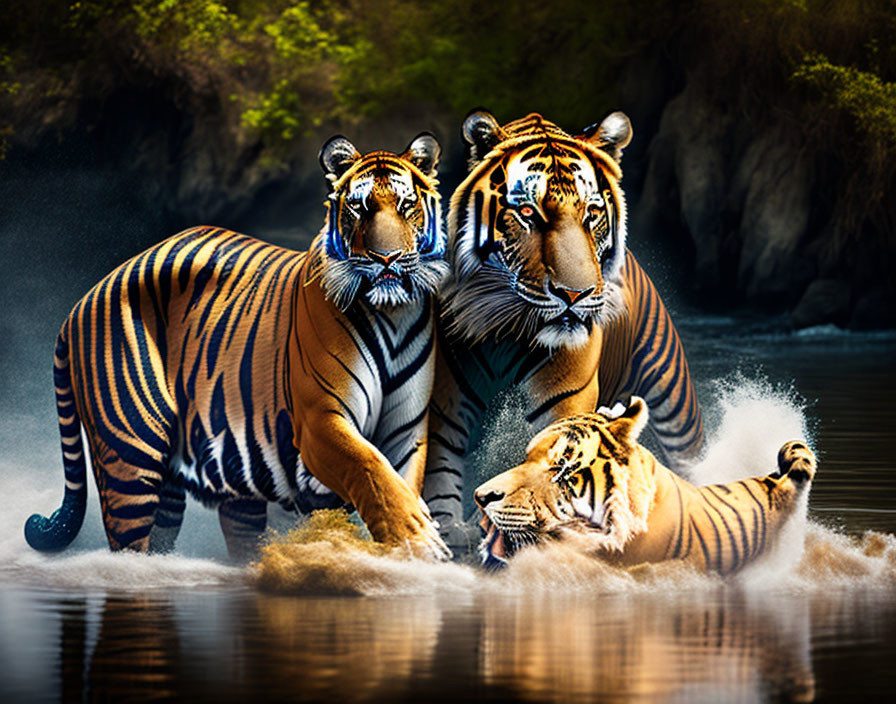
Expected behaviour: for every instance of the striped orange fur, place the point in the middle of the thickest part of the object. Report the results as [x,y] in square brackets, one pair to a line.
[544,296]
[589,475]
[246,373]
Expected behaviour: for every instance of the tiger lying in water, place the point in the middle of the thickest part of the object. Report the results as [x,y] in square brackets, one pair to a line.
[588,474]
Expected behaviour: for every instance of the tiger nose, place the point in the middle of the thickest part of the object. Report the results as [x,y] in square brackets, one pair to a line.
[569,295]
[484,497]
[384,258]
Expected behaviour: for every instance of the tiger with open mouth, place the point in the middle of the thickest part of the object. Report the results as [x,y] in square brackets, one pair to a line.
[588,474]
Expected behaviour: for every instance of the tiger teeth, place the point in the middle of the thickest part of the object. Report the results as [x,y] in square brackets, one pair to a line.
[485,524]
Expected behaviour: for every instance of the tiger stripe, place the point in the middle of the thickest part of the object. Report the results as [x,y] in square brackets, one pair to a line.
[555,304]
[196,365]
[588,474]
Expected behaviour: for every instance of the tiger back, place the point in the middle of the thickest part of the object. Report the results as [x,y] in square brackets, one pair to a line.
[212,364]
[545,297]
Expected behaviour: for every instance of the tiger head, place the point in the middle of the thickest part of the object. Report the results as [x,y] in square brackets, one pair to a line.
[586,473]
[537,230]
[383,241]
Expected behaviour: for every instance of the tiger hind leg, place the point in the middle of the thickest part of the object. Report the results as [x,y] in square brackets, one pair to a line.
[168,519]
[129,495]
[243,521]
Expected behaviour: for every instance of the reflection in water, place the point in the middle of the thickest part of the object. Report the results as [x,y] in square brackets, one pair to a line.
[137,655]
[563,647]
[611,635]
[724,650]
[337,649]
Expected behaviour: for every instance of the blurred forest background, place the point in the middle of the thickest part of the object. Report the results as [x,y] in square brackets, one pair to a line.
[761,173]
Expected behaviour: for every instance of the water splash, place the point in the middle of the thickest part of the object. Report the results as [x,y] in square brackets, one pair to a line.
[329,555]
[331,565]
[753,418]
[834,560]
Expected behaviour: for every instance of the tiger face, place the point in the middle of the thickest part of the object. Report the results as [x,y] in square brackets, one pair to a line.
[583,474]
[537,230]
[383,240]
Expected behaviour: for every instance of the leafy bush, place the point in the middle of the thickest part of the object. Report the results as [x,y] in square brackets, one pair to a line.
[279,68]
[870,101]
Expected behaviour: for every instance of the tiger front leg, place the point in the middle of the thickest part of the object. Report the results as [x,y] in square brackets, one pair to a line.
[346,462]
[243,522]
[453,419]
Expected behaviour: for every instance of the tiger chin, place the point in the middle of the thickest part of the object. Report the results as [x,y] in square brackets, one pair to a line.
[587,474]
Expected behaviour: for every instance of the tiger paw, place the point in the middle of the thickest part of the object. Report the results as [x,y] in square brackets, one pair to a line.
[797,461]
[407,522]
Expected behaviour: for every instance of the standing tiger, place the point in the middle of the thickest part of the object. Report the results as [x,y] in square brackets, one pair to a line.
[545,296]
[245,373]
[588,474]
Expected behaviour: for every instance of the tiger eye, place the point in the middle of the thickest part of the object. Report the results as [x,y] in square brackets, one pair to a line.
[575,482]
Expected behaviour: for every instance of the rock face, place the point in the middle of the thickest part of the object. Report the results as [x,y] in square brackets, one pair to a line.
[750,200]
[774,219]
[686,180]
[825,301]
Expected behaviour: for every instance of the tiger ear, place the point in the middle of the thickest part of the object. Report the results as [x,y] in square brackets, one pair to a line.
[612,135]
[628,426]
[481,132]
[423,152]
[336,156]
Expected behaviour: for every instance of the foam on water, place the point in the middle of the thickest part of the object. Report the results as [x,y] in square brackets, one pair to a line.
[752,420]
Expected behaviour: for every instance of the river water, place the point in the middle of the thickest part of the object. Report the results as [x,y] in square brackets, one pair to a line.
[817,621]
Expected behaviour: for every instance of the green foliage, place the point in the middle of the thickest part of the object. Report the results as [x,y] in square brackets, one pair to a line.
[868,100]
[193,25]
[279,67]
[6,68]
[277,113]
[298,50]
[513,57]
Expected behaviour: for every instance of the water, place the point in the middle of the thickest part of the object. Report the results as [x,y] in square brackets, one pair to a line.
[553,627]
[816,623]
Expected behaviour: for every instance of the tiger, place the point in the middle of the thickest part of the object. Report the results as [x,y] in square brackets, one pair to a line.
[588,474]
[246,373]
[544,297]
